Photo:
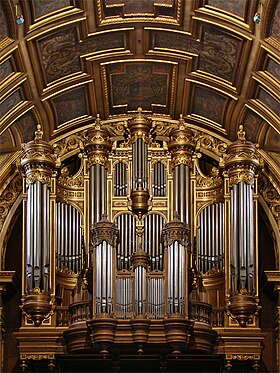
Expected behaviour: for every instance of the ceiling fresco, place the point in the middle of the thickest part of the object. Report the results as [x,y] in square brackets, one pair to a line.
[207,59]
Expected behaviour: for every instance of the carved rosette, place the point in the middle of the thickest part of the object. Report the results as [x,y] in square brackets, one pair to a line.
[176,230]
[181,145]
[98,145]
[242,307]
[37,306]
[38,160]
[242,160]
[140,127]
[104,230]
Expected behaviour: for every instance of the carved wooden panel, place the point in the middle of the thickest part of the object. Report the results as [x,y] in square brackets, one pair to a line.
[145,84]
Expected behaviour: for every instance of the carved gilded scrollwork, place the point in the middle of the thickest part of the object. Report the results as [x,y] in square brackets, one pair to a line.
[271,196]
[9,196]
[69,144]
[208,142]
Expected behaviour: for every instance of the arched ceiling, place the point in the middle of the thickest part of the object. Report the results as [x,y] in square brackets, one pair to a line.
[206,59]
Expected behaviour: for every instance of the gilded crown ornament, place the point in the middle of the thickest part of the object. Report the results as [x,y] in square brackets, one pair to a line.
[181,144]
[38,161]
[242,160]
[98,144]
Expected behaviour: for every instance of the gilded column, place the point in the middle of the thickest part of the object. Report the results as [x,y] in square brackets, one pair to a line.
[38,163]
[241,166]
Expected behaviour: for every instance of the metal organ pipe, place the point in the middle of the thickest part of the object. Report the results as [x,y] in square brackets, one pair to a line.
[37,236]
[241,164]
[69,236]
[210,241]
[242,236]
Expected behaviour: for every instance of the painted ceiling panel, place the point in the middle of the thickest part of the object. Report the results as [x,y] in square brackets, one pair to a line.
[234,6]
[70,105]
[60,54]
[206,59]
[42,7]
[208,104]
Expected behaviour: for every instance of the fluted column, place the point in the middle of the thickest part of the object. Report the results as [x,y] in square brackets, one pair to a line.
[38,164]
[139,127]
[241,165]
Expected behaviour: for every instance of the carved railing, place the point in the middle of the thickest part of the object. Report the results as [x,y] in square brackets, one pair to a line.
[62,316]
[217,317]
[80,311]
[200,312]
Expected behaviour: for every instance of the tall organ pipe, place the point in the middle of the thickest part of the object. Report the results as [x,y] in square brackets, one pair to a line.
[176,239]
[104,238]
[241,164]
[38,164]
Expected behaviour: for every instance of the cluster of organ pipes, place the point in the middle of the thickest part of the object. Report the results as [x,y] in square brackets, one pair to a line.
[104,278]
[140,291]
[139,165]
[124,298]
[37,236]
[159,180]
[210,238]
[153,225]
[120,179]
[140,261]
[176,278]
[127,240]
[242,237]
[98,192]
[68,246]
[181,192]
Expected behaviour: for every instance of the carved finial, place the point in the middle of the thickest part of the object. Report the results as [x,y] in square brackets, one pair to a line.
[97,121]
[39,132]
[241,133]
[176,216]
[139,111]
[182,123]
[104,217]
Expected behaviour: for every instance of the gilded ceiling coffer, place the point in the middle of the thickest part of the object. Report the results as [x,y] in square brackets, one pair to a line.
[176,238]
[140,127]
[242,164]
[38,165]
[104,236]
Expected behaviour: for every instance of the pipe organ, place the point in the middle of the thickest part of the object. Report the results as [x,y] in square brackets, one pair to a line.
[141,247]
